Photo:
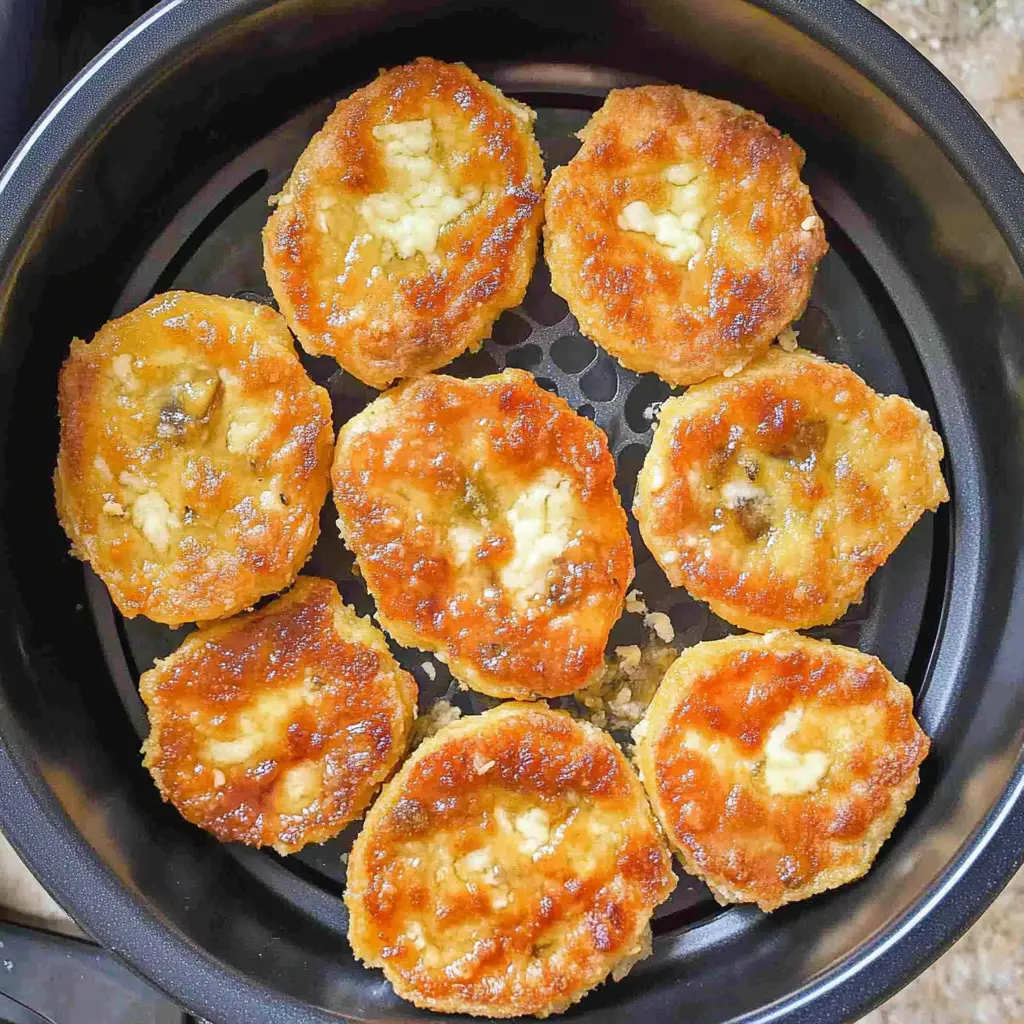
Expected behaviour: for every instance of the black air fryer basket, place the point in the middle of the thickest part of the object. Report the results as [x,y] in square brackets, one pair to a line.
[152,171]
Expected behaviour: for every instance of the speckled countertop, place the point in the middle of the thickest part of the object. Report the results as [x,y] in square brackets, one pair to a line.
[980,46]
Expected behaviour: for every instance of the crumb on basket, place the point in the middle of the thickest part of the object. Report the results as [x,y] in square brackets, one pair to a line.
[787,339]
[435,718]
[653,411]
[618,698]
[661,625]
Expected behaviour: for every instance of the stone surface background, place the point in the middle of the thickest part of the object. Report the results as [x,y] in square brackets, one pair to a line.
[979,46]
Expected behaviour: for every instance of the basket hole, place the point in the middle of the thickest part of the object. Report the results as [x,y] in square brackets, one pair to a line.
[601,381]
[628,464]
[586,410]
[349,396]
[547,385]
[573,353]
[321,369]
[510,329]
[541,302]
[524,358]
[473,364]
[257,297]
[642,404]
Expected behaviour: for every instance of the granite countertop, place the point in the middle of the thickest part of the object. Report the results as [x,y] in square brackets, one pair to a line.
[979,45]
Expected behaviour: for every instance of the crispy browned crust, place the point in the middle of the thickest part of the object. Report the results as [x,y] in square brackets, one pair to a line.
[151,400]
[411,315]
[746,843]
[683,323]
[543,929]
[439,453]
[317,709]
[827,477]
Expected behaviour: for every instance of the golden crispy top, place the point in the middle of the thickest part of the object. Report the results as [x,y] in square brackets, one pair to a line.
[485,520]
[409,223]
[779,764]
[275,728]
[681,234]
[508,866]
[194,456]
[776,493]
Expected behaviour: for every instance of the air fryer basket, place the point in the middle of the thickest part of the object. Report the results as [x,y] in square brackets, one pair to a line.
[153,172]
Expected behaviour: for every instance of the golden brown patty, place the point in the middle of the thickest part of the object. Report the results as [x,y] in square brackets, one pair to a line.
[409,223]
[775,494]
[509,867]
[276,727]
[486,523]
[681,234]
[194,456]
[778,765]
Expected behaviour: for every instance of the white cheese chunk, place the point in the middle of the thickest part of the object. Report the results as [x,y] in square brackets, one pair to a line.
[414,933]
[264,725]
[738,492]
[241,434]
[674,229]
[122,367]
[409,220]
[786,771]
[533,828]
[464,542]
[541,521]
[299,787]
[153,518]
[234,751]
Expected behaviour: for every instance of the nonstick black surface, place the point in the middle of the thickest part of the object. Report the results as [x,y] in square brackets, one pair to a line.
[155,174]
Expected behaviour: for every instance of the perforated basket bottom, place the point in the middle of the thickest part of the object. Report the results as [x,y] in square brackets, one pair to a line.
[213,245]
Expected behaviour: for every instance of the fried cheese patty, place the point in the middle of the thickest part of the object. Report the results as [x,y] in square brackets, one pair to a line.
[778,765]
[775,494]
[194,456]
[510,866]
[681,235]
[276,727]
[409,223]
[484,517]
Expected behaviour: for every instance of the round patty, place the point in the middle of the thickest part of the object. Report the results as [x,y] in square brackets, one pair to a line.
[276,728]
[509,867]
[484,517]
[775,494]
[681,234]
[409,223]
[778,765]
[194,456]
